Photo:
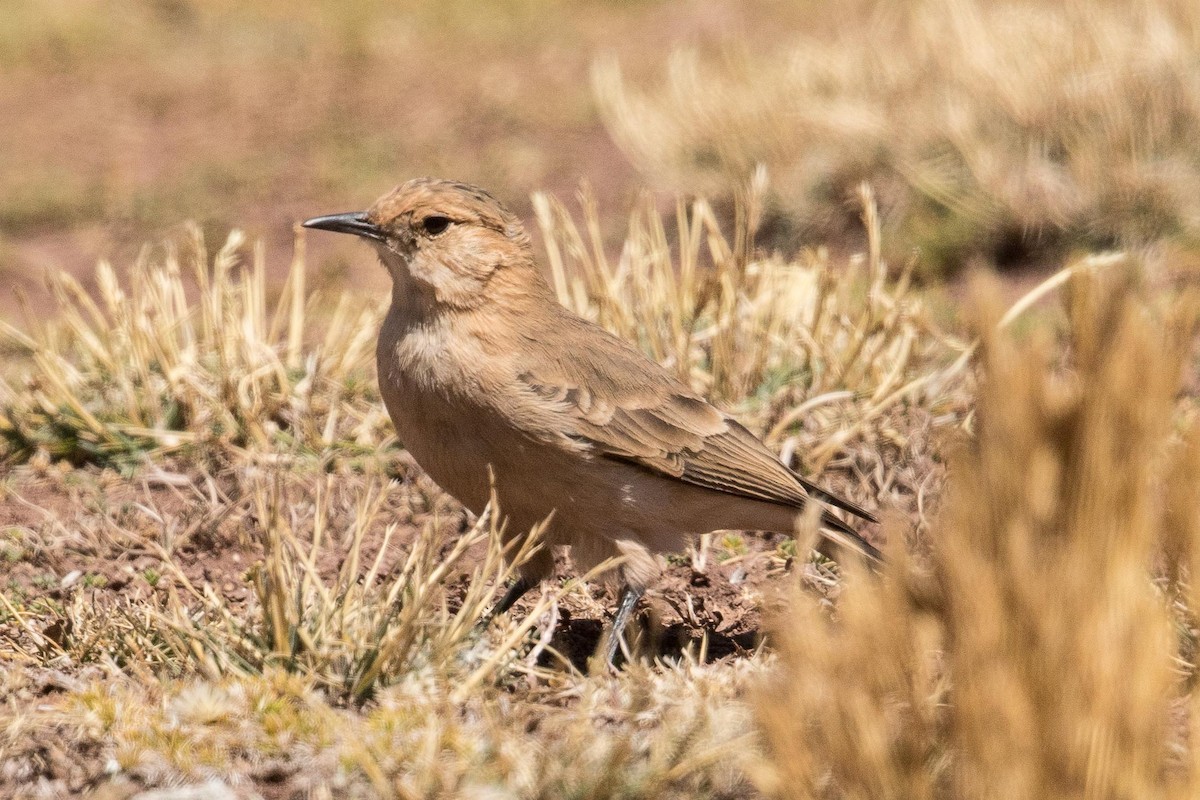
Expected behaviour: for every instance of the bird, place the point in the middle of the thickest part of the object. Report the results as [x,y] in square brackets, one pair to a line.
[491,383]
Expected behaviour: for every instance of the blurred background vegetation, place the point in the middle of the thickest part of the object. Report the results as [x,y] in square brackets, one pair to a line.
[1005,133]
[121,119]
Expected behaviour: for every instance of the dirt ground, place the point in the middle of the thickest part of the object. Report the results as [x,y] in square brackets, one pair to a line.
[95,537]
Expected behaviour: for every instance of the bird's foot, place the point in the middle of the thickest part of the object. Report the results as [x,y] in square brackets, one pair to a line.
[616,633]
[516,590]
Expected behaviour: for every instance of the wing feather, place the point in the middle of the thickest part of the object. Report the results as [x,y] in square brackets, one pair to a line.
[682,436]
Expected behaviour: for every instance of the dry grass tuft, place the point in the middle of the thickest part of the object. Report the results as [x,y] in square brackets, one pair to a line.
[341,596]
[149,367]
[994,129]
[384,612]
[1034,655]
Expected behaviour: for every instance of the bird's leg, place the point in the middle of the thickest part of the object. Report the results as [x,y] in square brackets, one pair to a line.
[629,598]
[516,590]
[535,569]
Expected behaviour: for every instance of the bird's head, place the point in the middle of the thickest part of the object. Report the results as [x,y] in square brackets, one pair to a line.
[451,242]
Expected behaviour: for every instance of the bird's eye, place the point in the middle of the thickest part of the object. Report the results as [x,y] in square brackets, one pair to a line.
[435,224]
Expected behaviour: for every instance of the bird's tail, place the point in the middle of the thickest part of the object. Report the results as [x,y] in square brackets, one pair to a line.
[826,496]
[838,531]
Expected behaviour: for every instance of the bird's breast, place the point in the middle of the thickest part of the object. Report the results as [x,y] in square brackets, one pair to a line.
[460,409]
[431,385]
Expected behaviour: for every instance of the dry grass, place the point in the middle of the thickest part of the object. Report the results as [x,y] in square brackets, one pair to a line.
[673,732]
[343,595]
[143,369]
[1038,652]
[995,129]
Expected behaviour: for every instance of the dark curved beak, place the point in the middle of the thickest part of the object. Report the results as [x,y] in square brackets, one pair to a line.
[354,222]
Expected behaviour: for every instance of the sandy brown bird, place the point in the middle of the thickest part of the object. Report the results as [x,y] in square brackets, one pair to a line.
[480,366]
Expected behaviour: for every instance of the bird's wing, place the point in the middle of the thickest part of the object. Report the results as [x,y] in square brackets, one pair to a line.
[660,426]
